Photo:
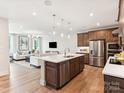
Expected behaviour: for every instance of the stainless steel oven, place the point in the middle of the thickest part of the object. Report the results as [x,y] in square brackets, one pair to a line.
[112,48]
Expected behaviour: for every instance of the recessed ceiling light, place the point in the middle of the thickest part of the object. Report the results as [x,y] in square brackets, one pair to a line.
[34,13]
[54,32]
[69,36]
[58,24]
[70,29]
[98,24]
[91,14]
[62,35]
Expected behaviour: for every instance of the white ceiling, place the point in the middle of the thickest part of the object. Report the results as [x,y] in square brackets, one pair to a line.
[77,12]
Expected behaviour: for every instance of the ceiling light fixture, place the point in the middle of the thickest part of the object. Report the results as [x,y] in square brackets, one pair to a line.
[98,24]
[62,35]
[54,27]
[91,14]
[68,36]
[34,13]
[70,28]
[58,24]
[54,32]
[48,2]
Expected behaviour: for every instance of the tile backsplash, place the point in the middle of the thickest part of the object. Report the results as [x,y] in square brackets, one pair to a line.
[83,49]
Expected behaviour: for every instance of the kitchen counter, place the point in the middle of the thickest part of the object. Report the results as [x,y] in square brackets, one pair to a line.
[60,58]
[57,70]
[113,69]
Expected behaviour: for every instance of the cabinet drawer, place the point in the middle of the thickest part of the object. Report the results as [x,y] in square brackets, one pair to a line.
[114,80]
[51,64]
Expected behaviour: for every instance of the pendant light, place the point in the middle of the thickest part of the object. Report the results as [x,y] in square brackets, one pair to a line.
[54,27]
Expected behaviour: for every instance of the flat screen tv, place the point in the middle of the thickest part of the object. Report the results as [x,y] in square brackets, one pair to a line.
[52,44]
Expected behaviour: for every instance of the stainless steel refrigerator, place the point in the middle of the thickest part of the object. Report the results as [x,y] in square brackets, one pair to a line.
[97,53]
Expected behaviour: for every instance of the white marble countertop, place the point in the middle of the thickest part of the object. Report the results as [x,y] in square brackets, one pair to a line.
[59,58]
[113,69]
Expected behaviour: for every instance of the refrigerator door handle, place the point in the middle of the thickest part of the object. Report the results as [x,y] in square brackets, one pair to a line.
[91,52]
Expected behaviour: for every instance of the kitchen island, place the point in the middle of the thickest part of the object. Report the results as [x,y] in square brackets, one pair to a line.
[58,70]
[113,77]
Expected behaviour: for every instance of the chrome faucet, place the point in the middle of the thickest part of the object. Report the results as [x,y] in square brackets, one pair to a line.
[65,51]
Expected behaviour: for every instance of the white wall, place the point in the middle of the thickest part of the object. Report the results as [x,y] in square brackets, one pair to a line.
[62,43]
[4,49]
[13,43]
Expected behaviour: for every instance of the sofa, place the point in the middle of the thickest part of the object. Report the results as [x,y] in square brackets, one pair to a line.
[20,55]
[35,61]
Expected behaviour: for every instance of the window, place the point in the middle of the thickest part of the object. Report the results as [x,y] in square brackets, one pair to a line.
[36,43]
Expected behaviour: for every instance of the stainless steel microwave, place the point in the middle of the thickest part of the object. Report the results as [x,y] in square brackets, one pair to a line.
[113,46]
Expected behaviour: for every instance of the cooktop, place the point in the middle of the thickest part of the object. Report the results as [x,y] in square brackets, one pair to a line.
[115,61]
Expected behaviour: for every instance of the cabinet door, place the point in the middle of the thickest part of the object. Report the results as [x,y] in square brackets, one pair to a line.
[113,84]
[80,39]
[86,58]
[77,65]
[51,76]
[109,37]
[101,34]
[85,39]
[64,73]
[92,35]
[72,68]
[81,63]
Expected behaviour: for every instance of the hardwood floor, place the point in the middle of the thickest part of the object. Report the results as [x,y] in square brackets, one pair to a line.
[25,80]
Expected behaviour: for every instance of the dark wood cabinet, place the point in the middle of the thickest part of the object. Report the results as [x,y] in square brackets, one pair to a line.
[106,34]
[86,58]
[77,66]
[92,35]
[74,67]
[51,74]
[58,74]
[110,37]
[64,73]
[101,34]
[113,84]
[82,59]
[80,39]
[83,39]
[95,35]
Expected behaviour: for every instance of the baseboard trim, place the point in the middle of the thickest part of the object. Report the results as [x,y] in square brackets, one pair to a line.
[3,73]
